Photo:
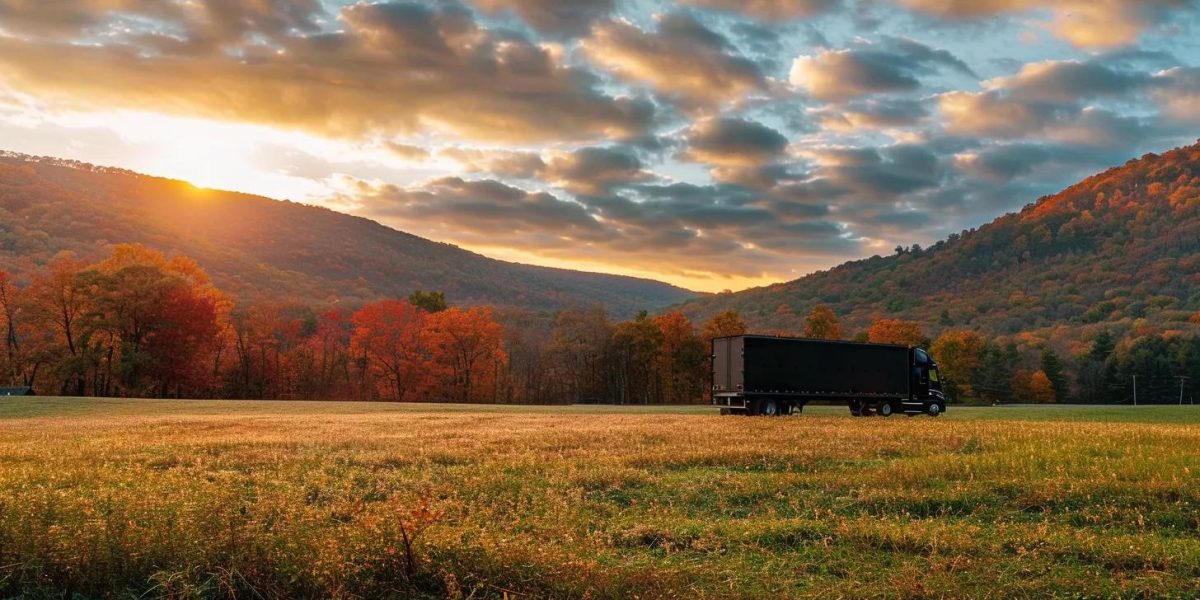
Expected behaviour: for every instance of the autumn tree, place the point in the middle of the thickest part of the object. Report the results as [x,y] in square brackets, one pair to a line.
[12,347]
[1041,389]
[153,323]
[958,354]
[56,302]
[391,340]
[723,324]
[895,331]
[822,324]
[681,359]
[466,347]
[1022,386]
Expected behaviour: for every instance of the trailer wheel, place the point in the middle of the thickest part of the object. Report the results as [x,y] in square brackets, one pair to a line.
[724,411]
[769,408]
[885,409]
[856,408]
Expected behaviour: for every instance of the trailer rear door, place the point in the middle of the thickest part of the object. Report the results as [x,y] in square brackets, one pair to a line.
[727,364]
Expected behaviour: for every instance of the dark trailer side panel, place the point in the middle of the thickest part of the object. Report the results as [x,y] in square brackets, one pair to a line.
[819,368]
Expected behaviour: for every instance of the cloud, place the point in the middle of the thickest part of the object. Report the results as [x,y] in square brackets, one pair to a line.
[891,66]
[202,23]
[683,59]
[1067,81]
[483,207]
[407,151]
[873,113]
[879,174]
[1084,23]
[731,142]
[594,170]
[992,114]
[393,68]
[769,10]
[1177,92]
[504,163]
[570,17]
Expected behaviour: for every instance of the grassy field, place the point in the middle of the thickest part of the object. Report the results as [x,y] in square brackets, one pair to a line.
[127,498]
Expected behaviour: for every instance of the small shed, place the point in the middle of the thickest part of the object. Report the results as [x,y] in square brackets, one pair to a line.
[17,391]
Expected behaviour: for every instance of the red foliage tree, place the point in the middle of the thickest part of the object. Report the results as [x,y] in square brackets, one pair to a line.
[391,340]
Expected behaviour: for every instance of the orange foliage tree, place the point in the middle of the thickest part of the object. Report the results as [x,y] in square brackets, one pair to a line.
[468,353]
[1041,389]
[680,359]
[896,331]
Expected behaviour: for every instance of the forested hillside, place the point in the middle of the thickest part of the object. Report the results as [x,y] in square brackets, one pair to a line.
[255,247]
[1117,252]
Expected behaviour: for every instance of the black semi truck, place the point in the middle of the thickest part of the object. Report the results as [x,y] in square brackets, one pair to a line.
[772,376]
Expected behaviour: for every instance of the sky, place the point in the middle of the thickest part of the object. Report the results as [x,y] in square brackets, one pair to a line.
[713,144]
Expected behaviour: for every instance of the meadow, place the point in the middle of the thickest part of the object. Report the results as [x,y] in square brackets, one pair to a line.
[208,499]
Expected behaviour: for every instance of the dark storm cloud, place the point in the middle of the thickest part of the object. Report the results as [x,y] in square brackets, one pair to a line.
[893,65]
[682,59]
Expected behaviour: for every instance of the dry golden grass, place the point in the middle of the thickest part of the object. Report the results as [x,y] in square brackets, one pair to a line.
[250,499]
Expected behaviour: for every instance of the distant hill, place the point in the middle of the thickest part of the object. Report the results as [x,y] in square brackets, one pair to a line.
[258,247]
[1118,251]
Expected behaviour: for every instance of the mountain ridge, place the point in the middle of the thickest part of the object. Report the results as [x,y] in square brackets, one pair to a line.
[260,247]
[1118,250]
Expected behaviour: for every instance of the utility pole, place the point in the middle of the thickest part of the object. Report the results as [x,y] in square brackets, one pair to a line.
[1135,390]
[1182,379]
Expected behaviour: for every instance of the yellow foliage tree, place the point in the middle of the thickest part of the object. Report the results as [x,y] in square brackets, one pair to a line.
[822,324]
[957,353]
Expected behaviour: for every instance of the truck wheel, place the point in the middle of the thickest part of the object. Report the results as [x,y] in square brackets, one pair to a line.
[856,408]
[770,408]
[724,412]
[934,409]
[885,409]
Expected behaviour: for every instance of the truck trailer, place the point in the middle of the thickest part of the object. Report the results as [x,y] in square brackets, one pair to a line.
[773,376]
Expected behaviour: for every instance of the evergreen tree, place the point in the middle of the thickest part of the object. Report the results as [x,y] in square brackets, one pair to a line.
[1053,368]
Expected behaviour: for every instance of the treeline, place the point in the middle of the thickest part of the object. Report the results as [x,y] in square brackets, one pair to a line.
[142,324]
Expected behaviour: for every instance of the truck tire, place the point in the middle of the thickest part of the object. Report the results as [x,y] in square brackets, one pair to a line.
[885,409]
[769,408]
[934,409]
[724,411]
[856,408]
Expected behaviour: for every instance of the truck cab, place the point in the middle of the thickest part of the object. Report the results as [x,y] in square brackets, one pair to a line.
[926,386]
